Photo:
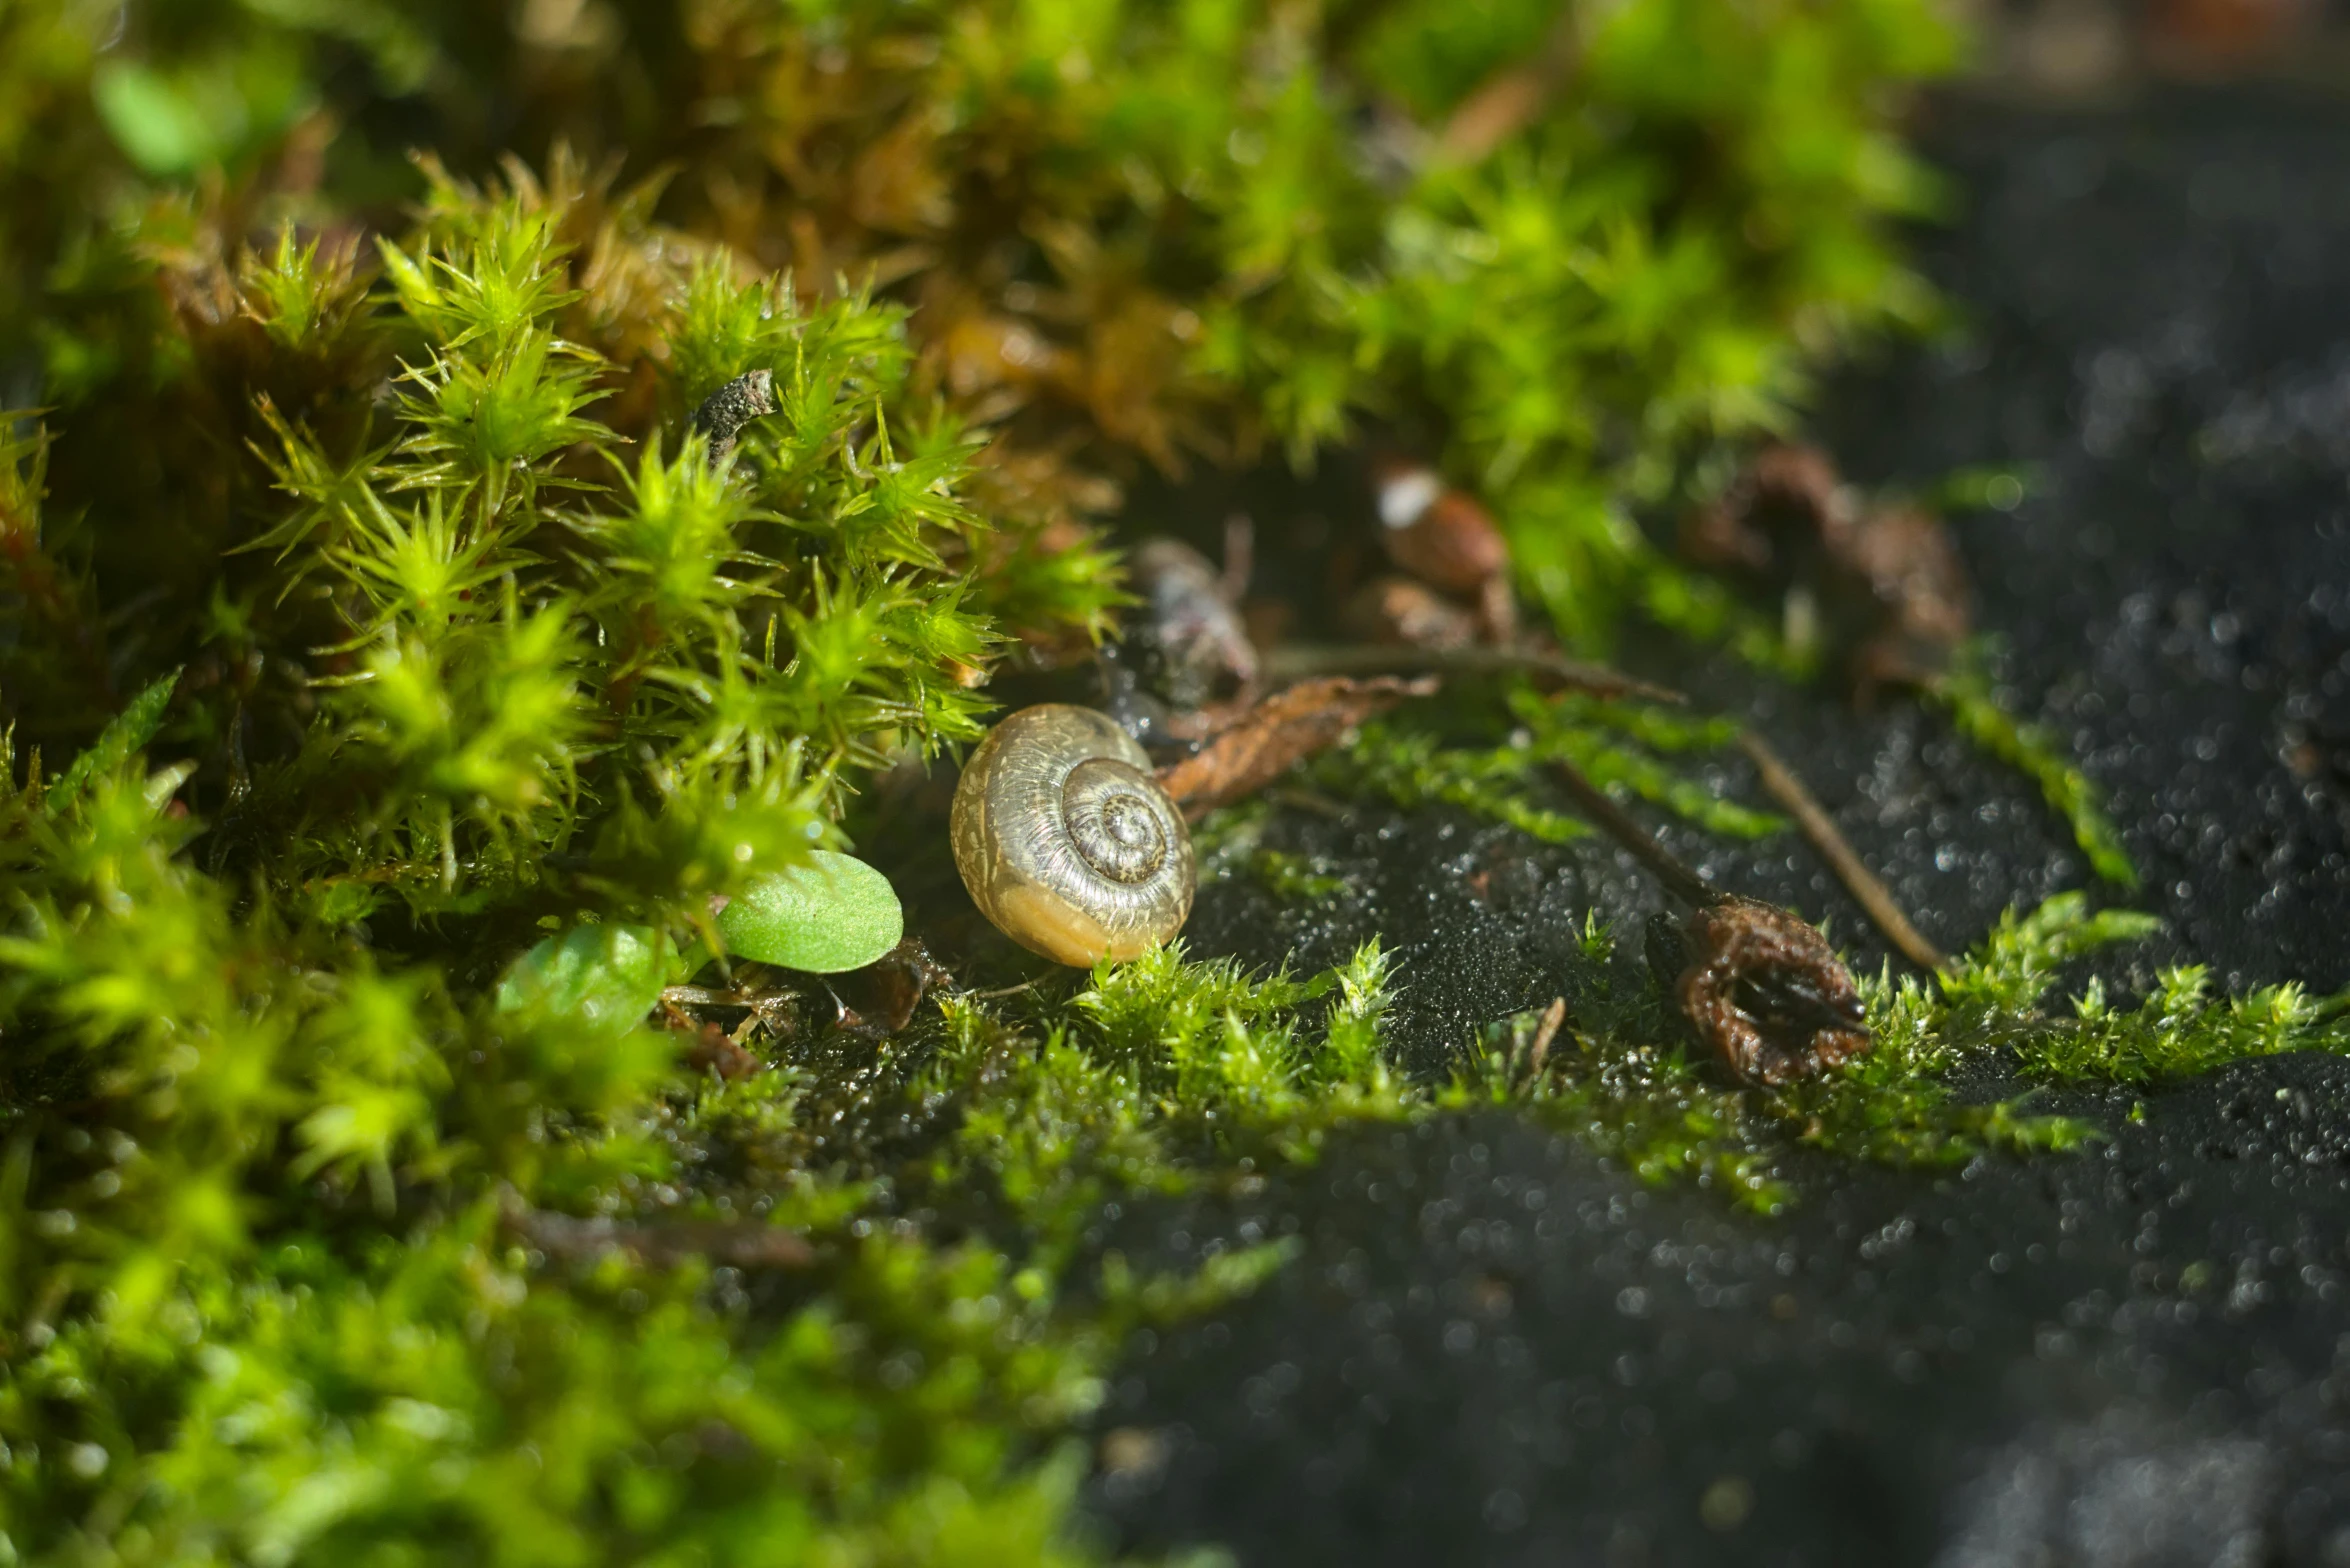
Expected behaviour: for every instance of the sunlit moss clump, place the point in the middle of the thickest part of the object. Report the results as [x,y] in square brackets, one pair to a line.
[1563,248]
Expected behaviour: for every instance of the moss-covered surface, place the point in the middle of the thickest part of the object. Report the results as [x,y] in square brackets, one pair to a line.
[370,618]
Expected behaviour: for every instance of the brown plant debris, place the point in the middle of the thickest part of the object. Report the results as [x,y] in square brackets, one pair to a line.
[1300,661]
[713,1050]
[1438,534]
[879,999]
[743,1244]
[1760,985]
[724,412]
[1554,1017]
[1396,612]
[1767,993]
[1884,584]
[1277,734]
[1516,95]
[1445,538]
[766,1000]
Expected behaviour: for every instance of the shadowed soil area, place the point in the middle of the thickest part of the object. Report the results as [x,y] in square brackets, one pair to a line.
[1497,1348]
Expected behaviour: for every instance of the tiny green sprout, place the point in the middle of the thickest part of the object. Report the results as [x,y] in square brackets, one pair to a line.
[604,976]
[832,914]
[1990,488]
[127,735]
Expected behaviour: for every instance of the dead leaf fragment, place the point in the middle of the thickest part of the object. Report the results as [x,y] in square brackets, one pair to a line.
[1277,734]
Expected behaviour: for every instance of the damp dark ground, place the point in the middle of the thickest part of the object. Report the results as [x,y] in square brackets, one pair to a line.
[1496,1348]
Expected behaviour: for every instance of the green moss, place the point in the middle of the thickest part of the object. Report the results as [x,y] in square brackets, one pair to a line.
[194,1327]
[1168,224]
[1409,769]
[2180,1029]
[1621,746]
[1975,707]
[1298,879]
[2020,958]
[1619,1078]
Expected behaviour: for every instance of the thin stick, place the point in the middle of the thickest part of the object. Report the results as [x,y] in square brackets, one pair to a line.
[1679,879]
[1552,1017]
[1000,991]
[1781,784]
[1298,661]
[1240,556]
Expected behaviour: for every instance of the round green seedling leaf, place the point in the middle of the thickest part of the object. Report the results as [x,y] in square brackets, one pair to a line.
[604,977]
[832,914]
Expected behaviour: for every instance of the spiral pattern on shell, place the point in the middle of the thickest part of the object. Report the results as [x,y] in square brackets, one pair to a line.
[1066,840]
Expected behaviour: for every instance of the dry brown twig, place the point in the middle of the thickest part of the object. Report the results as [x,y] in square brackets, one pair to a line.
[1554,1017]
[1780,782]
[1297,661]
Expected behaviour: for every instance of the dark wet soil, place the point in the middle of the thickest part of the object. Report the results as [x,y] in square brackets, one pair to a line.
[1496,1348]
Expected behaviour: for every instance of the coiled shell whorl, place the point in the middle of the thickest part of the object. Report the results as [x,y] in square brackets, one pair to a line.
[1066,840]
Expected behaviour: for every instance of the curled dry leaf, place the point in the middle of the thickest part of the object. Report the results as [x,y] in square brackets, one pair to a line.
[1760,985]
[1787,505]
[1767,994]
[1277,734]
[1905,559]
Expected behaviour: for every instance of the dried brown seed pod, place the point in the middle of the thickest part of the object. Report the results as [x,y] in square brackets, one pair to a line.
[1437,533]
[1768,994]
[1067,843]
[1758,983]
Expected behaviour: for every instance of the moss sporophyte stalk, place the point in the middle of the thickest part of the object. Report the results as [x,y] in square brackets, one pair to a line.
[404,700]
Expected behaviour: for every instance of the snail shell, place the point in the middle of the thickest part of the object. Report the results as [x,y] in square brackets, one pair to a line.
[1067,842]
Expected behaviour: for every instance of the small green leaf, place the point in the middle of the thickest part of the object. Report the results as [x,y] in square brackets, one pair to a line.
[606,977]
[155,121]
[832,914]
[123,738]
